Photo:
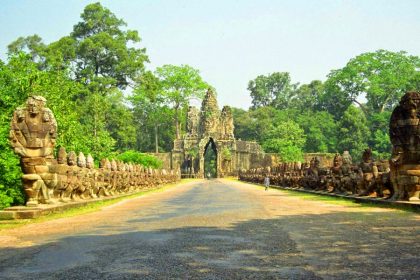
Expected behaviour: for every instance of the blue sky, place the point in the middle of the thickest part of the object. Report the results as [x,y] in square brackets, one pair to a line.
[232,42]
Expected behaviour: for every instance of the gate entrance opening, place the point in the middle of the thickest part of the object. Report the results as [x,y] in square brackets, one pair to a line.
[210,160]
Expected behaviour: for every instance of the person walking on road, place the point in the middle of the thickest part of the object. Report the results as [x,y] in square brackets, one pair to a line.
[266,182]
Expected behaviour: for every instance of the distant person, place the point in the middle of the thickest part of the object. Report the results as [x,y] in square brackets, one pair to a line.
[208,175]
[266,182]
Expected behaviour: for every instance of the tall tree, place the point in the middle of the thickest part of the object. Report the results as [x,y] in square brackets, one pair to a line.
[381,77]
[274,90]
[287,139]
[353,132]
[152,114]
[309,96]
[321,131]
[102,47]
[180,84]
[31,44]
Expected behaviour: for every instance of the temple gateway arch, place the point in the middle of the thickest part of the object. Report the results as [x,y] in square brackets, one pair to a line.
[212,128]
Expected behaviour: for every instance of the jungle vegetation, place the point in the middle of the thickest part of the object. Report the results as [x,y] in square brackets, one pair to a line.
[107,103]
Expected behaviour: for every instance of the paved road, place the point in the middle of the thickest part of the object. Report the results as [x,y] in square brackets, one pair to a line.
[217,229]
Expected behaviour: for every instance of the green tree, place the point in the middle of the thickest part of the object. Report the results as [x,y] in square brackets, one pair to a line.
[179,85]
[103,51]
[379,141]
[152,115]
[309,96]
[286,139]
[274,90]
[321,131]
[381,77]
[31,44]
[353,132]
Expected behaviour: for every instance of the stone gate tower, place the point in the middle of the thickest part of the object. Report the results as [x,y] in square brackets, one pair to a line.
[210,126]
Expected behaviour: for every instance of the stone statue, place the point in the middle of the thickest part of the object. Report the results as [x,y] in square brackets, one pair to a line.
[72,172]
[404,131]
[337,173]
[368,173]
[33,136]
[33,129]
[91,177]
[192,121]
[227,120]
[63,189]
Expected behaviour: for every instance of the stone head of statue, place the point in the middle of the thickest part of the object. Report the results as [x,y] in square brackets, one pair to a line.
[81,160]
[35,104]
[62,156]
[367,155]
[347,158]
[71,158]
[89,161]
[338,160]
[114,165]
[102,163]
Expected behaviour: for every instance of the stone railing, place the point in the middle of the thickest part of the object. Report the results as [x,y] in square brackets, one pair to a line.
[368,178]
[49,180]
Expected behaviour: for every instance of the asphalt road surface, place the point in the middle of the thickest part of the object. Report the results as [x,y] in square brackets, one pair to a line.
[217,229]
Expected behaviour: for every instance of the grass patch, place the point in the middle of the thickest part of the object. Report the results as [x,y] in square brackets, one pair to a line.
[91,207]
[321,198]
[340,200]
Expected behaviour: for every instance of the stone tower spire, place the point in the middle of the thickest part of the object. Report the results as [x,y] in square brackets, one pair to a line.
[210,114]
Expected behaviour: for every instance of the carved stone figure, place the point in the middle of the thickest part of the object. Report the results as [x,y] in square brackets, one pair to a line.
[33,136]
[72,174]
[337,173]
[63,189]
[368,173]
[404,131]
[91,177]
[193,119]
[227,120]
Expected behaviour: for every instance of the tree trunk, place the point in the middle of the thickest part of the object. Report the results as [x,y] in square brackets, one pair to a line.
[363,107]
[156,139]
[177,122]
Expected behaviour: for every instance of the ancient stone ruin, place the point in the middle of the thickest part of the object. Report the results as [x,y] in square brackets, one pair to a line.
[396,179]
[212,129]
[368,178]
[69,177]
[404,131]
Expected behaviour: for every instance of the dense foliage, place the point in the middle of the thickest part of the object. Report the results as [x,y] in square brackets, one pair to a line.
[143,159]
[349,111]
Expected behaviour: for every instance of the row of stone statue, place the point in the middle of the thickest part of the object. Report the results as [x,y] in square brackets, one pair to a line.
[368,178]
[72,178]
[49,180]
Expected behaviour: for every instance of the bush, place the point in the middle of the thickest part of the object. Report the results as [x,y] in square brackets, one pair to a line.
[146,160]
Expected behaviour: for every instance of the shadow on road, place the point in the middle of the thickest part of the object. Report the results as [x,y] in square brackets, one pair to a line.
[336,245]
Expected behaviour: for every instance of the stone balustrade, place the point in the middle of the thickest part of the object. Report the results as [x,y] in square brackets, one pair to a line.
[68,177]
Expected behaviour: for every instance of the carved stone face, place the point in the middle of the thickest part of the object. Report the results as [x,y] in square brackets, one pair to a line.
[89,162]
[62,156]
[35,104]
[71,158]
[81,160]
